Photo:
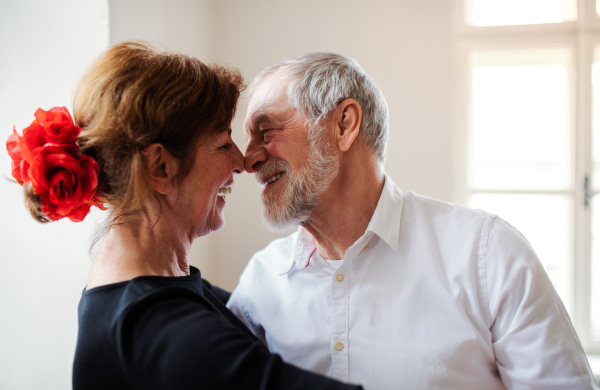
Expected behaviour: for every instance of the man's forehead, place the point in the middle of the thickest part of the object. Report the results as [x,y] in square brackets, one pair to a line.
[268,102]
[272,91]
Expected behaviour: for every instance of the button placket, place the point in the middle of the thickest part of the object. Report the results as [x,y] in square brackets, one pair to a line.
[339,325]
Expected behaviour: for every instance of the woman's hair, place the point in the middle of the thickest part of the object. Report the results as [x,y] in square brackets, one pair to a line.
[135,95]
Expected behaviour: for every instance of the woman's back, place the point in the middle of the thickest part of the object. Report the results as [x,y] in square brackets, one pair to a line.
[106,344]
[156,332]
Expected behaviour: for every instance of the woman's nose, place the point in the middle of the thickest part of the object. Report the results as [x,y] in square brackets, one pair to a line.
[238,160]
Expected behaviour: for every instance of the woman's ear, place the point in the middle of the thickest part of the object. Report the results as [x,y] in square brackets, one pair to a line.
[162,167]
[348,120]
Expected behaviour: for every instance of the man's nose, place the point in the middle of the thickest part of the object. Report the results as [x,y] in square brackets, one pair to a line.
[255,157]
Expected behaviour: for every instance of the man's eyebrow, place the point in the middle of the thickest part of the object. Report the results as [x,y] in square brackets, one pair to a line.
[256,120]
[262,118]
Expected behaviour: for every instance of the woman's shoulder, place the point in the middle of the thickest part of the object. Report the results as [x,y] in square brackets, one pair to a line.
[144,291]
[116,321]
[115,313]
[103,310]
[143,294]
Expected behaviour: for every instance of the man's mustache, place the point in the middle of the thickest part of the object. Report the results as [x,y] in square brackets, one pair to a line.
[271,168]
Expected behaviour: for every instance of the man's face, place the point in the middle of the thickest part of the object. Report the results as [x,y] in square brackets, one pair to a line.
[292,168]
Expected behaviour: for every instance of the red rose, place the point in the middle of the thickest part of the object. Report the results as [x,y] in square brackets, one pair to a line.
[66,184]
[58,124]
[48,155]
[33,138]
[12,146]
[53,126]
[18,165]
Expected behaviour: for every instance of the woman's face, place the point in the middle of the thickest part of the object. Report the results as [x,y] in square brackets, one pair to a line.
[201,199]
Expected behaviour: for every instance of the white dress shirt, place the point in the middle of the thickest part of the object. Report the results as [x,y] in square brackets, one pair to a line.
[433,296]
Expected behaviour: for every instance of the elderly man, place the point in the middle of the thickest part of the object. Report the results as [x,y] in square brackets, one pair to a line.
[379,287]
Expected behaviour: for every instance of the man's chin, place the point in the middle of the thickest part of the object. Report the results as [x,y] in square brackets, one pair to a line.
[278,220]
[279,225]
[285,207]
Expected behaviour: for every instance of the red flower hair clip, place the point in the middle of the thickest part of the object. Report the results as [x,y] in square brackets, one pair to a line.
[47,155]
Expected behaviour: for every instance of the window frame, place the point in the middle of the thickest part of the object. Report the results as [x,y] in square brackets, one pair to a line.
[580,37]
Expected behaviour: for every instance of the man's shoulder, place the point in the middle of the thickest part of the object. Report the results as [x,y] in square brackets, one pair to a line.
[457,223]
[421,206]
[272,257]
[263,269]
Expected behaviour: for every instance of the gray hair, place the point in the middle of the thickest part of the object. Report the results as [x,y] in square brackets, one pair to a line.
[321,81]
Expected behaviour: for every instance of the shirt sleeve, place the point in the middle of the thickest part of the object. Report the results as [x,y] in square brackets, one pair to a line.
[535,344]
[238,304]
[171,340]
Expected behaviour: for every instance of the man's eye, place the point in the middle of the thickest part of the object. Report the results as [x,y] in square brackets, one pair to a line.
[263,133]
[227,146]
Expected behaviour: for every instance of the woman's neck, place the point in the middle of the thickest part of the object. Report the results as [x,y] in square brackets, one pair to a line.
[140,248]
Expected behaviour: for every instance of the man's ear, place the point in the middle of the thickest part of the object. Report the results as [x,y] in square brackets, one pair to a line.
[347,123]
[162,167]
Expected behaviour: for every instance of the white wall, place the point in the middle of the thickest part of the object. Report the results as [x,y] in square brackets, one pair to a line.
[183,25]
[44,47]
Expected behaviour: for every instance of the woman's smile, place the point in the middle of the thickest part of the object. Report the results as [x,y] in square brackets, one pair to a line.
[223,192]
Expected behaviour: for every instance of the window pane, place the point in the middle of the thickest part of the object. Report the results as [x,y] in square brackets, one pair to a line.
[520,128]
[596,120]
[595,298]
[512,12]
[545,220]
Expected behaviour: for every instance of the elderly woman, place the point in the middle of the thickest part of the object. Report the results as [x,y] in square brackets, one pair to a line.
[153,142]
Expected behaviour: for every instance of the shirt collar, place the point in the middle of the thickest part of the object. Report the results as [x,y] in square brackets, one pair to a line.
[385,223]
[304,247]
[386,218]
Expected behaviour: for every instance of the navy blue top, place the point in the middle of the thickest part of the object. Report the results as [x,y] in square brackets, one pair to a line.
[155,332]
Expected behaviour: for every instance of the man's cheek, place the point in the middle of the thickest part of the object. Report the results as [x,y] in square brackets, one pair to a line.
[275,150]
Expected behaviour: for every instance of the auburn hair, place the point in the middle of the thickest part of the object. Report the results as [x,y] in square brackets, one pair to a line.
[135,95]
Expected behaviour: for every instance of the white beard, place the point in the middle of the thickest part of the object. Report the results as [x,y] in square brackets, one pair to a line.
[293,204]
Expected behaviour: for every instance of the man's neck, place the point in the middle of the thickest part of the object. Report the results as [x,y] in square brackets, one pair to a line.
[345,209]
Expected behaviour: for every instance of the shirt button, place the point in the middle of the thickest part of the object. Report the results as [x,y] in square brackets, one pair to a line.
[339,277]
[339,346]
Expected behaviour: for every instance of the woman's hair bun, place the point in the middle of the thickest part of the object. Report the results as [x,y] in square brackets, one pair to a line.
[58,180]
